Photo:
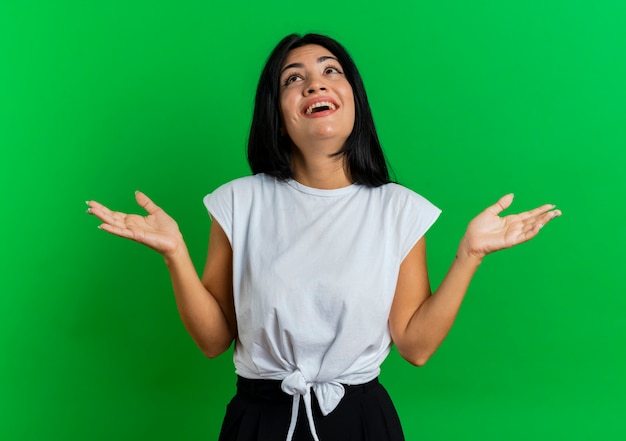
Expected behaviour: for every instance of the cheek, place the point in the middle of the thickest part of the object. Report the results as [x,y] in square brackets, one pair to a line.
[287,109]
[282,114]
[349,96]
[286,113]
[287,118]
[352,108]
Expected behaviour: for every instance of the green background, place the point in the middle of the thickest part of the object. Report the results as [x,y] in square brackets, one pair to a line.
[472,99]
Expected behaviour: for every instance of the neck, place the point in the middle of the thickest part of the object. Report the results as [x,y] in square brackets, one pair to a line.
[320,171]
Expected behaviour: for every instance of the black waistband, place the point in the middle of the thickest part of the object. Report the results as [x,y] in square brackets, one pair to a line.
[269,390]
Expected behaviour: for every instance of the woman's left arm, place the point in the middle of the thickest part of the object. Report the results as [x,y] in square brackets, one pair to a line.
[420,321]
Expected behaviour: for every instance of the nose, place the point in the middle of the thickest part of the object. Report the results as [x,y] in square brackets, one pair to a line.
[316,84]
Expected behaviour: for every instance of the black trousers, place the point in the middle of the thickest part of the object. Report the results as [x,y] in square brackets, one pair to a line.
[261,411]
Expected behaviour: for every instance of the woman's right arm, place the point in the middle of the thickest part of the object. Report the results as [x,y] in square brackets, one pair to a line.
[205,305]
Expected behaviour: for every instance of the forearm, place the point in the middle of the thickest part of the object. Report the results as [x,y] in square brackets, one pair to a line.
[419,321]
[432,321]
[199,310]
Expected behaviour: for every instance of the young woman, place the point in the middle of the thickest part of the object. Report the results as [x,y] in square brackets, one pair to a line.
[317,262]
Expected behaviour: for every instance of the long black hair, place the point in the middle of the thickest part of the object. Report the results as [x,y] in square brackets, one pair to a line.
[270,152]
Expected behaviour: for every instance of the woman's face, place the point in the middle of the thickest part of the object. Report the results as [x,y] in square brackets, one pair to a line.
[316,99]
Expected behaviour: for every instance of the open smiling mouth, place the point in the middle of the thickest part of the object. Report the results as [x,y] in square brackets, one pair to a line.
[320,107]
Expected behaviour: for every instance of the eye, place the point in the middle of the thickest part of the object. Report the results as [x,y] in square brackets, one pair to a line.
[292,78]
[332,70]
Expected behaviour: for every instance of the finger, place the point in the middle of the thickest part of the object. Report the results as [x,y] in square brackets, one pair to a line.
[532,229]
[503,203]
[118,231]
[537,211]
[547,217]
[146,202]
[105,215]
[93,205]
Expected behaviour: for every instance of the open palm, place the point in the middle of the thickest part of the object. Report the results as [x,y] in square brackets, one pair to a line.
[488,232]
[157,230]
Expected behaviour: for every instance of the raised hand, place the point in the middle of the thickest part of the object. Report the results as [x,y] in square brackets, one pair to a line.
[157,230]
[488,232]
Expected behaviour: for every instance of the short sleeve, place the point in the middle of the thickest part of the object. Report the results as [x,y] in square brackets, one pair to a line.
[415,217]
[220,205]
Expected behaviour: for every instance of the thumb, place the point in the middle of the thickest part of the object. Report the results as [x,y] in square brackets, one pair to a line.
[503,203]
[146,202]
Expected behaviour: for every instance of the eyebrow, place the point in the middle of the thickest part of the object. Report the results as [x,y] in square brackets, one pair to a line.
[300,65]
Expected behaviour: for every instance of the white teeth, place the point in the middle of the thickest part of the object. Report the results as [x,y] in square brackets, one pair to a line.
[328,104]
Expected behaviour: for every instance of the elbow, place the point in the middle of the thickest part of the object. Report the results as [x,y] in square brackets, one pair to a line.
[416,358]
[214,350]
[417,361]
[212,353]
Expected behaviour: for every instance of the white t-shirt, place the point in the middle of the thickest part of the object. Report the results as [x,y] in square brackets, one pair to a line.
[314,276]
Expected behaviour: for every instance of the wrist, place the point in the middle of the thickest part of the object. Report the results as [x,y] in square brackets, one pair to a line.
[466,254]
[177,253]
